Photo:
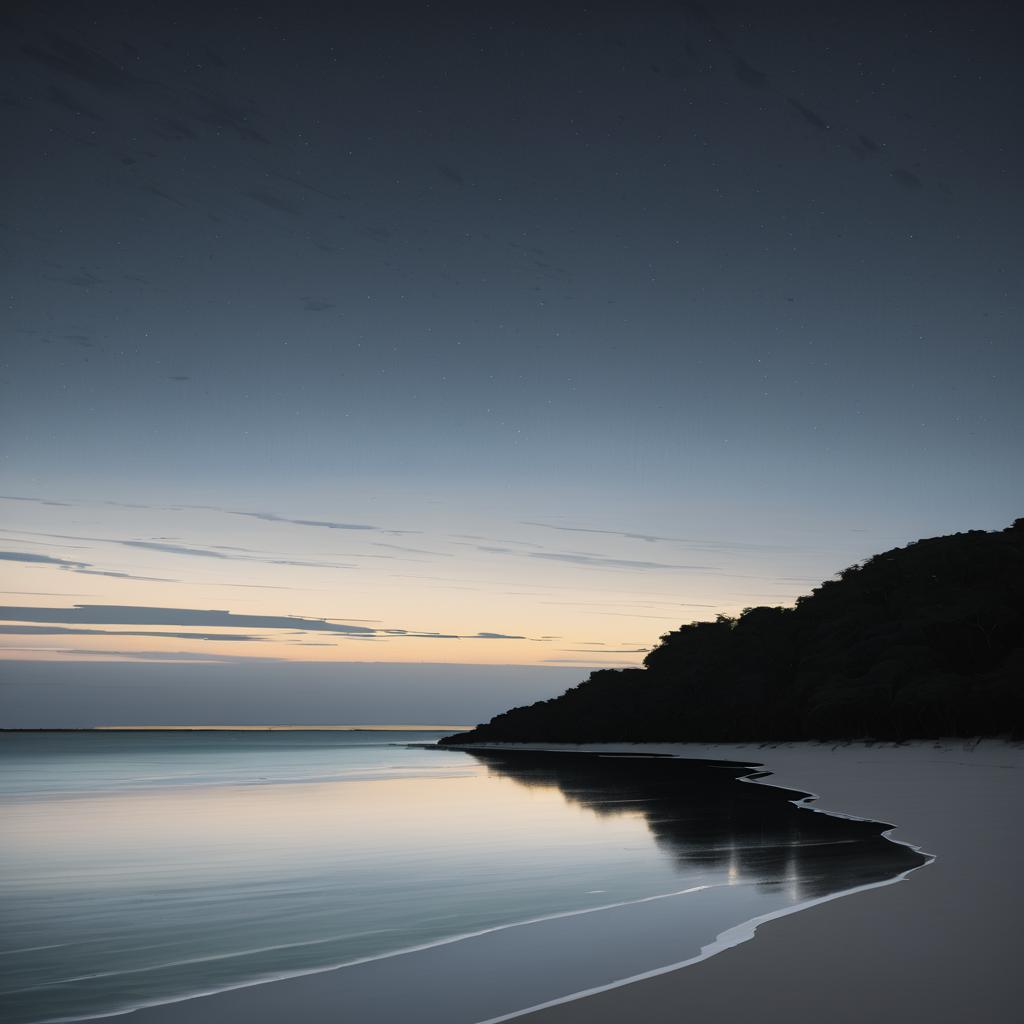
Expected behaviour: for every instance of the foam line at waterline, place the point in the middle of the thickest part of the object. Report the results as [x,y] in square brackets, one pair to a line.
[448,940]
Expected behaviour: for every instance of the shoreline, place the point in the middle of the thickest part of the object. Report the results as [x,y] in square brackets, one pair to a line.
[941,947]
[310,991]
[737,934]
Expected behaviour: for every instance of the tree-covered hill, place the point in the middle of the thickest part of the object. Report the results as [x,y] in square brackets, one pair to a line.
[925,640]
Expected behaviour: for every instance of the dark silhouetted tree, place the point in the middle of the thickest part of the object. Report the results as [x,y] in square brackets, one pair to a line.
[925,640]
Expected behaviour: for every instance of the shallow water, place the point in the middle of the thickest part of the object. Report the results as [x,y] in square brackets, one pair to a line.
[139,868]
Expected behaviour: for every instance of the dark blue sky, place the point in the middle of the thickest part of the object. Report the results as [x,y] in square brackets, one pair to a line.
[654,310]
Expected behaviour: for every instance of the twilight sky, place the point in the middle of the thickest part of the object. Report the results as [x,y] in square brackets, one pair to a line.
[493,334]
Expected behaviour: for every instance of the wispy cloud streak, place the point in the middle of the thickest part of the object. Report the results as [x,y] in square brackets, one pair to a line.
[652,538]
[138,615]
[83,568]
[601,562]
[8,630]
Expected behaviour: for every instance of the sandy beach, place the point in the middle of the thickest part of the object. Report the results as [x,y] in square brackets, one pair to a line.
[941,946]
[937,945]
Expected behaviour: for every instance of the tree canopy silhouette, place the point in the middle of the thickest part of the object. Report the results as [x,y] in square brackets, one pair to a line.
[925,640]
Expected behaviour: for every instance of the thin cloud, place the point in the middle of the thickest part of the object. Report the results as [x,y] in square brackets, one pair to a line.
[653,538]
[812,117]
[180,549]
[166,657]
[125,576]
[650,538]
[267,517]
[170,549]
[619,604]
[414,551]
[45,593]
[82,568]
[755,79]
[8,630]
[906,178]
[600,562]
[635,615]
[36,501]
[138,615]
[590,559]
[302,564]
[272,517]
[459,537]
[28,556]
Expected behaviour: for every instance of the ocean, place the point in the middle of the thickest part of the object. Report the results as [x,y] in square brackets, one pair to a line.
[138,869]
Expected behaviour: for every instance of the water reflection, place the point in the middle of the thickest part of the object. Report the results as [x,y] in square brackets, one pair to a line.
[135,872]
[704,818]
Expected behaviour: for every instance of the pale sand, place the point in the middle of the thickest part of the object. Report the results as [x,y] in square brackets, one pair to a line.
[941,946]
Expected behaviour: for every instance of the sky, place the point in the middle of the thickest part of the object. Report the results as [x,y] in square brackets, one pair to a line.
[484,334]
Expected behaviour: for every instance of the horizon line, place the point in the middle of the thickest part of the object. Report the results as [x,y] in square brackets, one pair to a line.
[240,728]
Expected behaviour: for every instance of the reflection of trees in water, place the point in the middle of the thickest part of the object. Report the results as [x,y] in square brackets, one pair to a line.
[700,814]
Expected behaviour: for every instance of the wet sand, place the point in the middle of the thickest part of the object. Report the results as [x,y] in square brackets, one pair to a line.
[941,946]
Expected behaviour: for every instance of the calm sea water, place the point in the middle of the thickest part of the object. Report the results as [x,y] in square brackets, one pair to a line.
[137,868]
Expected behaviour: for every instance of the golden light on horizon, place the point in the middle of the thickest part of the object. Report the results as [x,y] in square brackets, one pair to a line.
[487,605]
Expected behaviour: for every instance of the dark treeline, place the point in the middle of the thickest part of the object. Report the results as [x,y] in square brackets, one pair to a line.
[926,640]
